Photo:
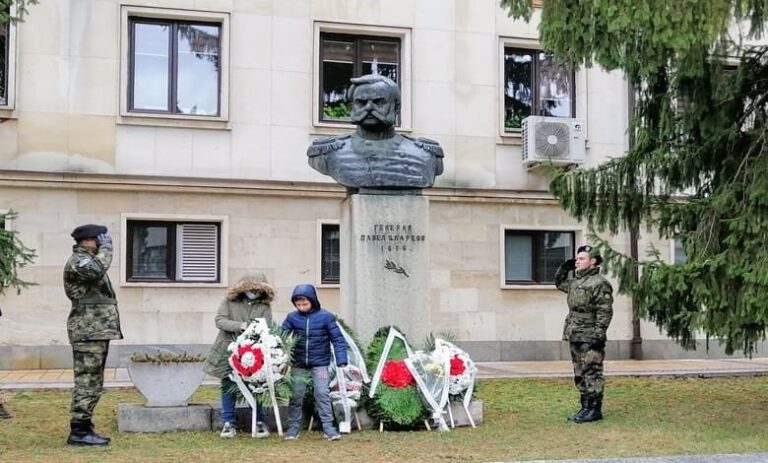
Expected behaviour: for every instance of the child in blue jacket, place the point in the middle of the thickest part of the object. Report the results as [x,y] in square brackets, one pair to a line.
[315,329]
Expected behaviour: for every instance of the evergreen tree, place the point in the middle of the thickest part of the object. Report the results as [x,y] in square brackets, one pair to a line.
[14,10]
[697,169]
[13,256]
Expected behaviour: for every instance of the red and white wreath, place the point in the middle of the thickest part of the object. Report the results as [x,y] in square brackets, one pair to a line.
[248,359]
[463,369]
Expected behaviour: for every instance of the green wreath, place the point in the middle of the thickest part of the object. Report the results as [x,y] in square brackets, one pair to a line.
[397,401]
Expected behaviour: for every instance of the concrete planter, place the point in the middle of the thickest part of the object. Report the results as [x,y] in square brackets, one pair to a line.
[166,384]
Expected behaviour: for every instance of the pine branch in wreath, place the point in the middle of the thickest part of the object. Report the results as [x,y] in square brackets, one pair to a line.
[397,401]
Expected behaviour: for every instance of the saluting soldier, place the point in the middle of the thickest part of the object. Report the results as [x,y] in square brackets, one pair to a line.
[590,309]
[92,323]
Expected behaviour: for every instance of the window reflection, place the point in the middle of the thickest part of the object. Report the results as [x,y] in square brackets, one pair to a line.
[198,70]
[555,248]
[535,84]
[519,257]
[338,68]
[150,252]
[534,256]
[380,58]
[554,87]
[331,259]
[150,66]
[518,71]
[4,33]
[176,67]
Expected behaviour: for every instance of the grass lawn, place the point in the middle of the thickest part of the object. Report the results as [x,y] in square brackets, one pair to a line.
[524,419]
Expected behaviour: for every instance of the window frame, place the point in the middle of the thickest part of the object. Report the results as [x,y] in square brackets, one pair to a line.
[7,106]
[319,282]
[127,219]
[364,32]
[578,79]
[128,16]
[173,71]
[357,64]
[522,229]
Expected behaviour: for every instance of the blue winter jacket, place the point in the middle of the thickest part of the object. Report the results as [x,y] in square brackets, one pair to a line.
[314,331]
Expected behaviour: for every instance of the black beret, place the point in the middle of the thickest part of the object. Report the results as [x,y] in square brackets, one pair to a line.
[592,253]
[88,231]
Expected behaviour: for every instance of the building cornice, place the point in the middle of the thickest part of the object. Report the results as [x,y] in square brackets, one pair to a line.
[164,184]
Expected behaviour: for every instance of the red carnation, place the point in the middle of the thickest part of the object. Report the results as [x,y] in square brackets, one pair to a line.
[396,374]
[248,360]
[457,366]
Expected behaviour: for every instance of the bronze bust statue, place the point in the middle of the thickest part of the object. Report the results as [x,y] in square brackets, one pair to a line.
[375,156]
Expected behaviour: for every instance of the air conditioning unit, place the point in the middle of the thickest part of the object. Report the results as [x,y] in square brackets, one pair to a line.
[553,141]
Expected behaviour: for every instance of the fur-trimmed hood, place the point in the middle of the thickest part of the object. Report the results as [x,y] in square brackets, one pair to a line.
[255,282]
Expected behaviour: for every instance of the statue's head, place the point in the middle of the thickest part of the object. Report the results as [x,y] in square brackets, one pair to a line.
[374,102]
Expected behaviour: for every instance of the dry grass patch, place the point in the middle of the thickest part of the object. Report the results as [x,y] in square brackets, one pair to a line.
[524,419]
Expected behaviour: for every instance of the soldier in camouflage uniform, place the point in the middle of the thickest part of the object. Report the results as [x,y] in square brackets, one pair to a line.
[92,323]
[590,309]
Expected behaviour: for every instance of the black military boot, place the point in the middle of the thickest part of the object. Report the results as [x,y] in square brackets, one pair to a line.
[584,406]
[90,428]
[594,411]
[4,415]
[82,434]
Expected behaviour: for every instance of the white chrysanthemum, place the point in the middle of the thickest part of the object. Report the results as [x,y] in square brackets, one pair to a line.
[460,383]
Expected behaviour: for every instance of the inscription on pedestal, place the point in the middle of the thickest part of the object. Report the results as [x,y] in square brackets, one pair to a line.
[390,238]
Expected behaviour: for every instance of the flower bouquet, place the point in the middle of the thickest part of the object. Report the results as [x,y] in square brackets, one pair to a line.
[431,371]
[463,373]
[393,396]
[347,383]
[260,359]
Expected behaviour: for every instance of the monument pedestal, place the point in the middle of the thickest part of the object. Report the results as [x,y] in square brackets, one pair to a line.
[385,263]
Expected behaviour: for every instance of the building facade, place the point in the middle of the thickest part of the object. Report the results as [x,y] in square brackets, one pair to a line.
[183,125]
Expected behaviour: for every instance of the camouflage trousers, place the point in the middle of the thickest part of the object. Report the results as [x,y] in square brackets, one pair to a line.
[89,360]
[587,362]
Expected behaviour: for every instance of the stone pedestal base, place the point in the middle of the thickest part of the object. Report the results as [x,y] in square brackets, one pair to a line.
[138,418]
[207,417]
[385,263]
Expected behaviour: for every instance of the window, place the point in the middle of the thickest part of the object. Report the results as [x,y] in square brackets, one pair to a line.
[330,259]
[678,252]
[163,251]
[175,67]
[532,257]
[5,35]
[535,84]
[8,34]
[343,56]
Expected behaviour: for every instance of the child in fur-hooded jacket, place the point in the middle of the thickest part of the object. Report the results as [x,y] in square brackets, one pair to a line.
[250,298]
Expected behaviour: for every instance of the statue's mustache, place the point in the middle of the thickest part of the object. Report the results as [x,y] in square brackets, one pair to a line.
[363,114]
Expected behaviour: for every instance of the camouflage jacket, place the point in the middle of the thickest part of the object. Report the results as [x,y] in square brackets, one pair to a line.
[94,315]
[590,304]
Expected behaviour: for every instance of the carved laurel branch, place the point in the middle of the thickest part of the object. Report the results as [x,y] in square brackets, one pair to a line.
[389,265]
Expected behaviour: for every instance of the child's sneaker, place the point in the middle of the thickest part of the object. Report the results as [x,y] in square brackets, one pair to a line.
[332,436]
[291,437]
[261,429]
[228,431]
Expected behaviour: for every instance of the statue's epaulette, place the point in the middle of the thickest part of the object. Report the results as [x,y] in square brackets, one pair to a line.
[326,145]
[429,145]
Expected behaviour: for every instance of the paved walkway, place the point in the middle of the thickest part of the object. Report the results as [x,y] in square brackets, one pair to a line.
[118,377]
[745,458]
